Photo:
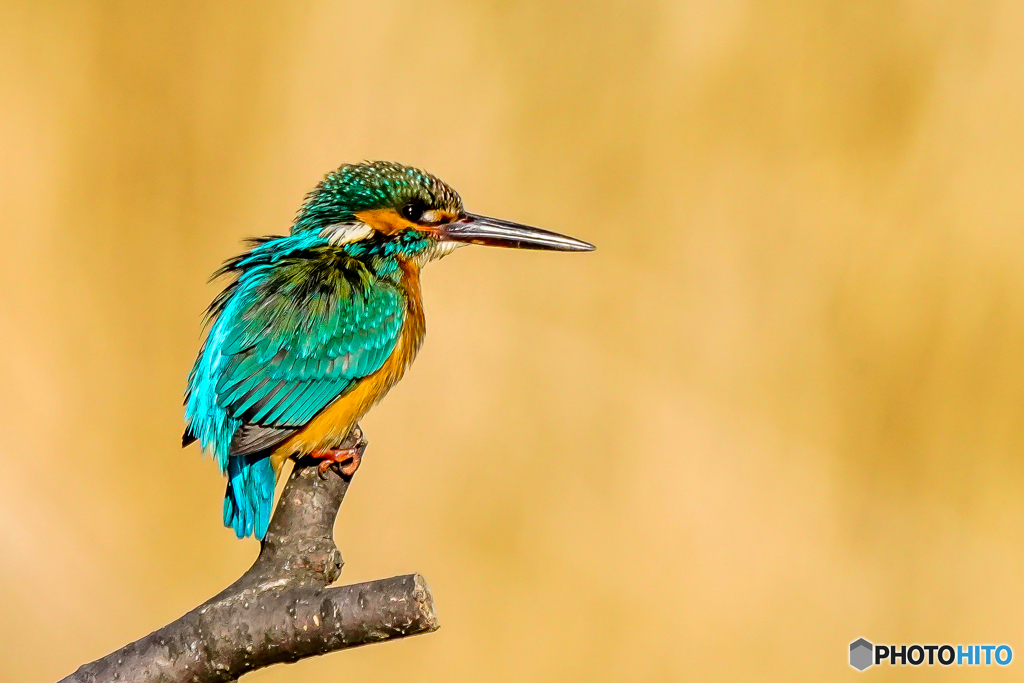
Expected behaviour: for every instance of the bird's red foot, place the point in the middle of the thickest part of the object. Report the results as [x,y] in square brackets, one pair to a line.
[348,458]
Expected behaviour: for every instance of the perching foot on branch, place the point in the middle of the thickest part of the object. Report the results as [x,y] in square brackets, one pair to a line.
[346,458]
[281,609]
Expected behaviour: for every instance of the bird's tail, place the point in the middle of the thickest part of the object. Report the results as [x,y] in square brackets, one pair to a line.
[250,495]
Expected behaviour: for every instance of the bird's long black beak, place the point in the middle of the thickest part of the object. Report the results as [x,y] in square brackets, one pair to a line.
[473,229]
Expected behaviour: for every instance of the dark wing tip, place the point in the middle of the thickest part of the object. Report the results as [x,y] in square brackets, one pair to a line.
[187,439]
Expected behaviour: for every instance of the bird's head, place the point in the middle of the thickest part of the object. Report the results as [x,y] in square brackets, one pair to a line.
[384,207]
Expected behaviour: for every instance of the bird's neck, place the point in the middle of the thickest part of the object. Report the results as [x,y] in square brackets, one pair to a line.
[390,256]
[382,259]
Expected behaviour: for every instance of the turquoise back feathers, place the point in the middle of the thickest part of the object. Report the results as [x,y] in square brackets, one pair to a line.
[291,334]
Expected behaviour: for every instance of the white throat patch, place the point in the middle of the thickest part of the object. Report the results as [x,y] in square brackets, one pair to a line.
[436,251]
[345,233]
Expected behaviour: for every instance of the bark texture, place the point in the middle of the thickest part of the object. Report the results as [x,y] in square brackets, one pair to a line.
[281,609]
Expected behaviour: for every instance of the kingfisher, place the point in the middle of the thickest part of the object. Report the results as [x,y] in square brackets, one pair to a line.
[316,326]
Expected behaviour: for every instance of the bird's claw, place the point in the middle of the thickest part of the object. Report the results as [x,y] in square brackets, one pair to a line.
[346,459]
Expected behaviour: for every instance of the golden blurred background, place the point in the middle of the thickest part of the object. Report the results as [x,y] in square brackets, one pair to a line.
[780,408]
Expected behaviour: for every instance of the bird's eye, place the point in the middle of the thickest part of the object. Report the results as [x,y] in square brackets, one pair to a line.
[413,211]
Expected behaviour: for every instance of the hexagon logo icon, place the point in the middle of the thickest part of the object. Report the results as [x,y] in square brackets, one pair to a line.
[861,654]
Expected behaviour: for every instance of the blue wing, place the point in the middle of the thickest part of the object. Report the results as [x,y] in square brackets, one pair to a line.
[292,336]
[301,325]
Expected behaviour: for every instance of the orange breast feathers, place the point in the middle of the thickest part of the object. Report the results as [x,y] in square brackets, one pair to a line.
[332,424]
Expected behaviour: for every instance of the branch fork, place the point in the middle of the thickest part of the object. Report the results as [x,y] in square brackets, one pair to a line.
[282,609]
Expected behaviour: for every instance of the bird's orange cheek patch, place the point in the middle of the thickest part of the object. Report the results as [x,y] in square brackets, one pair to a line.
[385,221]
[390,222]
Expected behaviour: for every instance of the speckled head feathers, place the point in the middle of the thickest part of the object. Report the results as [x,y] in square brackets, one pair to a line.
[372,185]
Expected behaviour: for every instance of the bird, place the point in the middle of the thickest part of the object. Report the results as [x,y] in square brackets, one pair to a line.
[314,327]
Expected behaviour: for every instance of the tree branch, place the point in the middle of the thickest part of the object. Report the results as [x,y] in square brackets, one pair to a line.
[281,609]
